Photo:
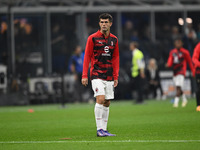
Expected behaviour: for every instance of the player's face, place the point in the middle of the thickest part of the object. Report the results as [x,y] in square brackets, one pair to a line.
[131,46]
[105,25]
[178,44]
[78,50]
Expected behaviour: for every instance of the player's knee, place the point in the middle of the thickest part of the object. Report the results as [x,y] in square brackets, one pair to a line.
[100,99]
[178,91]
[106,103]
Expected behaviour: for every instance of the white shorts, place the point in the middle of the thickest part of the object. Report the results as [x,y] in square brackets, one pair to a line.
[179,80]
[101,87]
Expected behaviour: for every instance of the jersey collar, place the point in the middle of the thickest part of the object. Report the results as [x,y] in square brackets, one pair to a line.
[99,32]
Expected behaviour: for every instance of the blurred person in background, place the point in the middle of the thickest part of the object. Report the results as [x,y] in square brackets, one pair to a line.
[102,51]
[175,33]
[57,39]
[3,43]
[128,30]
[137,71]
[153,78]
[134,36]
[178,59]
[196,61]
[76,68]
[190,37]
[190,32]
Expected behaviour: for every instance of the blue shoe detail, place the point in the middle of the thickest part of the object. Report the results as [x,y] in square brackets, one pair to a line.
[108,134]
[101,133]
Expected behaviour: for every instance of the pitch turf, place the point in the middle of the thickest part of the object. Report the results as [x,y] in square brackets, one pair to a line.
[151,126]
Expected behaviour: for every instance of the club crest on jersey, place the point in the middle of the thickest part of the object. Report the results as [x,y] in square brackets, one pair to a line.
[106,49]
[111,43]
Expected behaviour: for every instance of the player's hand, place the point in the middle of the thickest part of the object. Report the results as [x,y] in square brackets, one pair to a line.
[166,65]
[84,81]
[115,83]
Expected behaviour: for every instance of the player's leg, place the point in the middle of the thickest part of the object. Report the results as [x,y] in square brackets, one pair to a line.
[184,100]
[178,81]
[98,88]
[177,97]
[181,83]
[109,94]
[98,110]
[105,114]
[198,92]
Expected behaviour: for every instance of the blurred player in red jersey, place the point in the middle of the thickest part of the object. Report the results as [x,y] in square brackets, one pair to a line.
[178,59]
[103,52]
[196,61]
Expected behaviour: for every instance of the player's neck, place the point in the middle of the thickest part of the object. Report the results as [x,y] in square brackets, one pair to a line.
[105,33]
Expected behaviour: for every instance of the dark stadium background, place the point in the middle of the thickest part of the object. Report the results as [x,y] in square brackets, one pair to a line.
[37,38]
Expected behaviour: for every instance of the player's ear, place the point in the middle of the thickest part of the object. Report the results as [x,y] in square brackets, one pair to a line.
[110,24]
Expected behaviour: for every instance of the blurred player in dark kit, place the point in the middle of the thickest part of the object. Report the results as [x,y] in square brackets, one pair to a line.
[196,61]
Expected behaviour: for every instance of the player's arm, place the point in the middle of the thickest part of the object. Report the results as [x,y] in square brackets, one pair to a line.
[87,58]
[72,66]
[115,62]
[169,61]
[196,55]
[189,61]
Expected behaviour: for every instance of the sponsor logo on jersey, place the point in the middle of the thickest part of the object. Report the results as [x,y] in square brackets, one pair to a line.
[111,43]
[106,49]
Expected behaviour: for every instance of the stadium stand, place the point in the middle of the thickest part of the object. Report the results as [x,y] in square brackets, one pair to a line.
[37,37]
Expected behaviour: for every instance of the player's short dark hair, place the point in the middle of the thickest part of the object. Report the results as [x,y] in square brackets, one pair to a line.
[106,16]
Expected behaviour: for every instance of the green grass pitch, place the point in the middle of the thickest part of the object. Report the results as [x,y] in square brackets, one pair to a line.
[154,125]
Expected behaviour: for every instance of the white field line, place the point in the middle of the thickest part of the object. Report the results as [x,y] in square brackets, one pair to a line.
[117,141]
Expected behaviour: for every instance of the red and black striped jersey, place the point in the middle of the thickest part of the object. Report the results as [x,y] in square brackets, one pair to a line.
[103,52]
[196,58]
[178,59]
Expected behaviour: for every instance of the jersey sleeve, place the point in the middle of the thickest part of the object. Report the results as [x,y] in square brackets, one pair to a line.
[170,60]
[87,57]
[196,56]
[189,61]
[115,62]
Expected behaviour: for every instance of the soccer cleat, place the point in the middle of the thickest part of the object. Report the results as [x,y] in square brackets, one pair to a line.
[175,105]
[184,103]
[108,134]
[198,108]
[100,133]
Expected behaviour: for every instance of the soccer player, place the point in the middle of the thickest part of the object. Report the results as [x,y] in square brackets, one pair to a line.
[196,61]
[178,59]
[103,52]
